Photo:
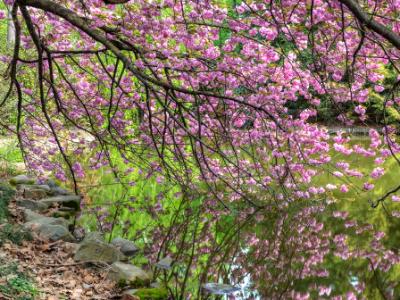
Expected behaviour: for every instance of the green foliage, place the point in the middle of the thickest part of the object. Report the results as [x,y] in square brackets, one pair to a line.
[123,203]
[283,43]
[3,31]
[10,152]
[152,294]
[8,111]
[10,157]
[13,233]
[6,193]
[224,34]
[14,283]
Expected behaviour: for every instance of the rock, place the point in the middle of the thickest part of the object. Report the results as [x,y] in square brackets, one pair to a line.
[22,187]
[67,209]
[72,201]
[58,191]
[63,214]
[49,228]
[129,275]
[147,293]
[51,232]
[51,183]
[33,218]
[22,179]
[35,194]
[165,263]
[127,247]
[220,288]
[29,215]
[32,205]
[94,249]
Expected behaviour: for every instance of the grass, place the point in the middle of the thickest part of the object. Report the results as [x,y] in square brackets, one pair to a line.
[13,233]
[15,284]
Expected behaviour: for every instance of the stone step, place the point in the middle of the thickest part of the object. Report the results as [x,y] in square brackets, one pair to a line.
[71,201]
[49,228]
[22,179]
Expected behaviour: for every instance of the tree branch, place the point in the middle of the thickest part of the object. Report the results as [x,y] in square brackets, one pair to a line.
[369,22]
[97,34]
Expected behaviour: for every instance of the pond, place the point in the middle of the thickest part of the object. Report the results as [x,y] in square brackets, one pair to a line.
[165,221]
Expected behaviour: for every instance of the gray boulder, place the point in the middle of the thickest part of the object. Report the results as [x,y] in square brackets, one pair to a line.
[51,183]
[94,249]
[30,215]
[127,247]
[56,190]
[51,232]
[33,218]
[72,201]
[129,275]
[21,179]
[34,193]
[49,228]
[22,187]
[31,204]
[59,191]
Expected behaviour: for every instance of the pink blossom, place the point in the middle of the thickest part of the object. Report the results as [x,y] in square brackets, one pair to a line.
[344,188]
[379,235]
[395,198]
[268,32]
[212,52]
[368,186]
[396,214]
[360,110]
[377,172]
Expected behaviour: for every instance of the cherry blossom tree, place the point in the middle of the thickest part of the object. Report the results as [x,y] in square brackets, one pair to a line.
[198,93]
